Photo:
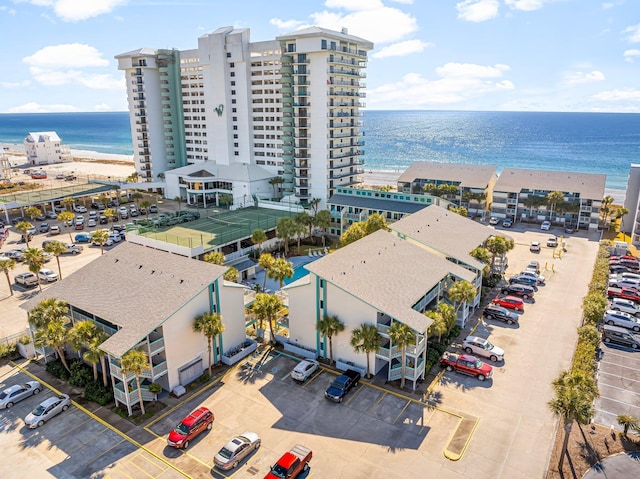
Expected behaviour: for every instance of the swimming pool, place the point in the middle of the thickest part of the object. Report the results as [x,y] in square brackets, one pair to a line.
[298,272]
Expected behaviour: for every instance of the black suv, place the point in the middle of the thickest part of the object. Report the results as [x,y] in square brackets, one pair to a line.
[519,290]
[493,311]
[342,385]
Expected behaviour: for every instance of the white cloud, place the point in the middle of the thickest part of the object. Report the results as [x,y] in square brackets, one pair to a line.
[607,5]
[470,70]
[368,19]
[70,55]
[477,10]
[8,10]
[33,107]
[102,107]
[57,65]
[458,83]
[525,5]
[406,2]
[625,94]
[633,33]
[402,49]
[15,84]
[576,78]
[76,10]
[630,55]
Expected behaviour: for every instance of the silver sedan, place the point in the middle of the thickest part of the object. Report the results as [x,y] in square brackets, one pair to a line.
[236,450]
[18,392]
[46,410]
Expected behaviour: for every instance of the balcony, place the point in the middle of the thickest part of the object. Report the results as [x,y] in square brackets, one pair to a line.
[354,171]
[412,373]
[346,154]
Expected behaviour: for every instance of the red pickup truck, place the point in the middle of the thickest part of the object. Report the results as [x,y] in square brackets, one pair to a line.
[467,364]
[291,464]
[626,293]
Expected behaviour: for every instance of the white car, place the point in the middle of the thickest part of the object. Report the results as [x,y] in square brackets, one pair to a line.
[47,275]
[625,305]
[115,237]
[236,450]
[91,223]
[624,283]
[534,246]
[482,347]
[631,276]
[532,274]
[545,226]
[622,319]
[46,410]
[493,220]
[79,209]
[304,370]
[79,220]
[18,392]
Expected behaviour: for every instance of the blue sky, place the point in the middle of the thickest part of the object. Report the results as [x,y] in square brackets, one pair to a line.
[515,55]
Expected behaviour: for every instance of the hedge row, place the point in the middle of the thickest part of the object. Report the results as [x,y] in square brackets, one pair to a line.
[81,375]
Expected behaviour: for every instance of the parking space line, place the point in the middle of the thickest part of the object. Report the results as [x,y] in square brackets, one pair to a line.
[623,366]
[313,378]
[426,423]
[615,400]
[354,394]
[85,442]
[129,461]
[104,452]
[104,423]
[401,412]
[375,404]
[72,429]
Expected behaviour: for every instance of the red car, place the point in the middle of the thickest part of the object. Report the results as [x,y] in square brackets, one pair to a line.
[190,427]
[510,302]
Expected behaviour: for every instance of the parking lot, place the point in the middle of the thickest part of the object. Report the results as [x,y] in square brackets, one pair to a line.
[618,383]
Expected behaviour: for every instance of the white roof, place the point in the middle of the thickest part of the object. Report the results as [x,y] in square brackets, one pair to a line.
[234,172]
[42,136]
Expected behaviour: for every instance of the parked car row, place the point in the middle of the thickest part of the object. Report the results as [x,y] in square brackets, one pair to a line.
[621,320]
[46,410]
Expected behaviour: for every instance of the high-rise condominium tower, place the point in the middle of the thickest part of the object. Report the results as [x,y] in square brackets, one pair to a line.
[291,106]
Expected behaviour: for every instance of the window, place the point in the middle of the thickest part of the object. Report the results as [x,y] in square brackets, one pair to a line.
[228,54]
[231,64]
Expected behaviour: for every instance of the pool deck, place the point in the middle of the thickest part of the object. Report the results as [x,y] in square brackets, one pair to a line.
[274,286]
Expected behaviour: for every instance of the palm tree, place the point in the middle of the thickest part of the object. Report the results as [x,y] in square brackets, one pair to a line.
[462,292]
[132,178]
[402,335]
[306,220]
[56,248]
[135,361]
[285,229]
[265,262]
[322,220]
[137,196]
[481,254]
[439,325]
[105,200]
[35,259]
[214,257]
[498,245]
[93,355]
[605,207]
[111,214]
[101,237]
[299,229]
[554,199]
[258,237]
[80,334]
[146,204]
[620,212]
[179,200]
[573,401]
[53,335]
[67,202]
[47,310]
[5,266]
[366,339]
[231,274]
[330,326]
[67,217]
[275,181]
[280,269]
[627,421]
[209,324]
[266,307]
[33,212]
[313,204]
[353,233]
[375,222]
[23,227]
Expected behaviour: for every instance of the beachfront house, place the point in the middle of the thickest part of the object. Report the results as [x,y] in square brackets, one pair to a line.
[523,195]
[147,299]
[351,205]
[45,148]
[471,184]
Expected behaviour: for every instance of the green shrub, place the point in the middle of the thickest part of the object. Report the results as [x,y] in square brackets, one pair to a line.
[96,392]
[440,347]
[80,375]
[204,378]
[594,305]
[589,334]
[455,332]
[56,368]
[433,356]
[24,340]
[492,280]
[8,351]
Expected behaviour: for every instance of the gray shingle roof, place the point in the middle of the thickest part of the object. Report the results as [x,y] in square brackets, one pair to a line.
[469,176]
[446,232]
[388,273]
[589,185]
[381,204]
[134,287]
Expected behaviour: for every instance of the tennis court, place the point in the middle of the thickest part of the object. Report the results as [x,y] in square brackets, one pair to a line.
[217,227]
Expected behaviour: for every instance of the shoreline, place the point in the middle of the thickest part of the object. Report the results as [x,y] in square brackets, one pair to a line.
[116,165]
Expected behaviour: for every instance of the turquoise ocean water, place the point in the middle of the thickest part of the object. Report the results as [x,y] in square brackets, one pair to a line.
[585,142]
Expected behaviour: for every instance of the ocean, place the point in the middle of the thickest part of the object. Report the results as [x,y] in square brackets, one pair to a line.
[583,142]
